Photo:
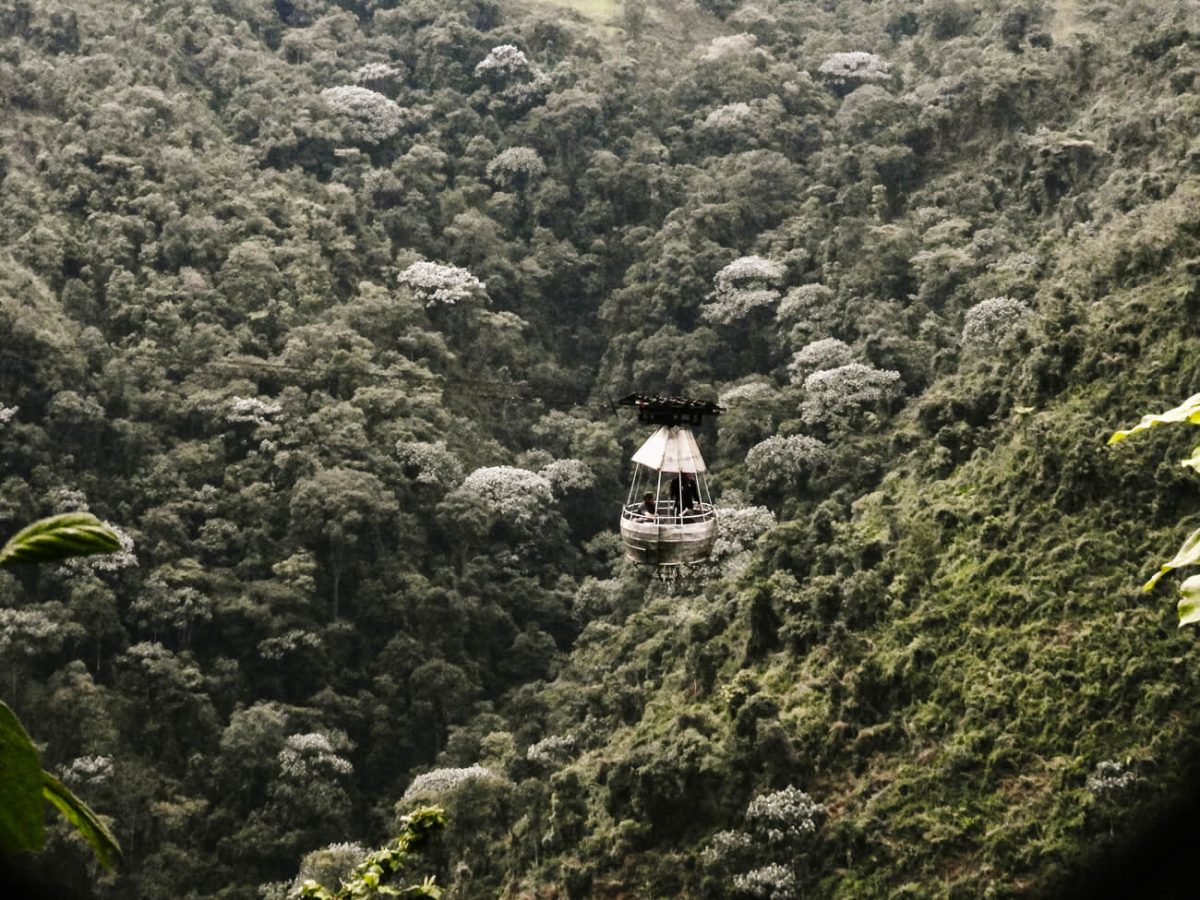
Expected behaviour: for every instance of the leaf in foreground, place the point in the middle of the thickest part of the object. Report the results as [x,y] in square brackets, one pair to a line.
[1187,411]
[79,814]
[1189,606]
[21,810]
[1188,555]
[59,537]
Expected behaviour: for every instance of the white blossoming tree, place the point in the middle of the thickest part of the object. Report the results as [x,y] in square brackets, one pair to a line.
[379,77]
[437,284]
[311,755]
[512,82]
[846,71]
[731,47]
[770,882]
[516,495]
[439,782]
[834,396]
[252,410]
[781,463]
[551,751]
[502,63]
[738,528]
[747,283]
[752,411]
[808,310]
[110,562]
[568,476]
[429,463]
[366,116]
[511,506]
[987,326]
[827,353]
[516,168]
[783,817]
[307,801]
[7,413]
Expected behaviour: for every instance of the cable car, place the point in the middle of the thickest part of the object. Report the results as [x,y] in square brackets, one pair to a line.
[668,518]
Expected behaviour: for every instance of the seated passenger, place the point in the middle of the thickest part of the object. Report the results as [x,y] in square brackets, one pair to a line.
[649,508]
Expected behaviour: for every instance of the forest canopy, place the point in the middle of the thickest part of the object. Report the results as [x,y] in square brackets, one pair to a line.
[320,306]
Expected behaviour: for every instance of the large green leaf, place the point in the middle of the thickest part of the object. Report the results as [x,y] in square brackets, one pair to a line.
[1188,555]
[21,808]
[59,537]
[79,814]
[1189,606]
[1187,411]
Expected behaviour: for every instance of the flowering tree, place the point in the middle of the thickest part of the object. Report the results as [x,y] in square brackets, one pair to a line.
[827,353]
[808,308]
[502,62]
[730,117]
[1109,778]
[441,285]
[771,882]
[848,70]
[745,284]
[988,325]
[7,413]
[516,167]
[441,781]
[85,770]
[311,756]
[552,750]
[429,463]
[378,76]
[517,495]
[251,409]
[568,475]
[836,394]
[109,562]
[367,116]
[732,46]
[784,816]
[783,461]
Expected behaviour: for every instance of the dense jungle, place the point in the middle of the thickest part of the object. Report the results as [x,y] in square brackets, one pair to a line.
[322,305]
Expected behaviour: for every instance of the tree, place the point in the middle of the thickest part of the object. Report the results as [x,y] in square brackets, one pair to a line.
[338,511]
[835,395]
[745,284]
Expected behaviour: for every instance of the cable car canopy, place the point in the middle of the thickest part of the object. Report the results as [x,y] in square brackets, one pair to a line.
[671,449]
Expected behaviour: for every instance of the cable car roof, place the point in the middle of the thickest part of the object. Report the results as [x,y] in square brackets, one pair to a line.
[660,410]
[671,449]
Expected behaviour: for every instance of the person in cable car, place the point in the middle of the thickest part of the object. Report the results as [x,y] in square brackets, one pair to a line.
[648,509]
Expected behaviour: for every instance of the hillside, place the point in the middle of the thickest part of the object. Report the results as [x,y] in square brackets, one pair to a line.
[323,304]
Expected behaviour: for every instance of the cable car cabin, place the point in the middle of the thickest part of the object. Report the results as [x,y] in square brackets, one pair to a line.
[668,518]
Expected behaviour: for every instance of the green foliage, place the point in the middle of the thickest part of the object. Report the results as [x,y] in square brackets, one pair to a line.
[22,809]
[203,300]
[369,878]
[1189,553]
